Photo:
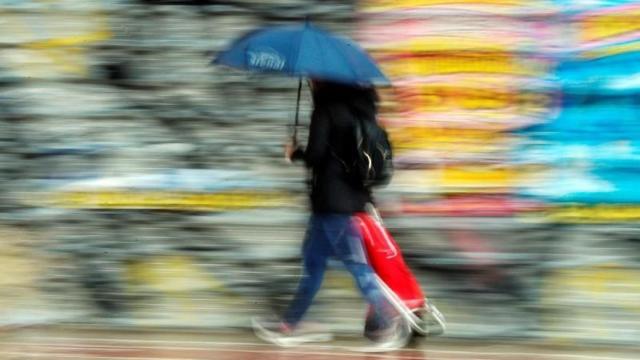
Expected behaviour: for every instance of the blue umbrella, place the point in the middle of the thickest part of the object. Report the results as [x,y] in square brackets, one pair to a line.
[303,51]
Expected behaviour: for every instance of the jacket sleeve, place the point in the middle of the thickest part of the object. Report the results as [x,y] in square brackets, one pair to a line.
[318,144]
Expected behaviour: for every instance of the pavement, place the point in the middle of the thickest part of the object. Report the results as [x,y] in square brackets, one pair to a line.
[93,342]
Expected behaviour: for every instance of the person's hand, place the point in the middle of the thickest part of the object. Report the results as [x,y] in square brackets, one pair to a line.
[289,148]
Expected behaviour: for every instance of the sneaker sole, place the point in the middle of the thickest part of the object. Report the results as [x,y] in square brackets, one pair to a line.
[287,341]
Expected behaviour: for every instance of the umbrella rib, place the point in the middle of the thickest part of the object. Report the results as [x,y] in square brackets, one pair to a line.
[295,64]
[320,47]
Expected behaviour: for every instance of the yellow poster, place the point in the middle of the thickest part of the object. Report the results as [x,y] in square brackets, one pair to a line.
[447,139]
[602,213]
[426,64]
[233,200]
[451,44]
[464,178]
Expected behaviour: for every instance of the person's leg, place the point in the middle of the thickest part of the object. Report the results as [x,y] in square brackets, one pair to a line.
[315,252]
[347,246]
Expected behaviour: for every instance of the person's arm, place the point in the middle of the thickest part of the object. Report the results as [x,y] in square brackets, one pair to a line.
[318,144]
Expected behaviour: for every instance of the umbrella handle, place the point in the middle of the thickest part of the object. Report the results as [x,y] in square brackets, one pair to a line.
[294,138]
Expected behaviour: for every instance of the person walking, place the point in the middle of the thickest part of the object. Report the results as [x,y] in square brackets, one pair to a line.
[336,194]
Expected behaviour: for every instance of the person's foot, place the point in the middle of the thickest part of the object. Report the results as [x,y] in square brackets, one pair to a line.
[281,334]
[391,338]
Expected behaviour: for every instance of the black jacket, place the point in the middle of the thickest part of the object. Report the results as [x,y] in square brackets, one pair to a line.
[331,150]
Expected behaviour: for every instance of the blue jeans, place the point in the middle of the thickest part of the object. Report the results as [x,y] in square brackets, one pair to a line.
[335,235]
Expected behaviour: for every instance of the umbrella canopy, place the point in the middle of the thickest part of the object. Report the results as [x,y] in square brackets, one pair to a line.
[303,51]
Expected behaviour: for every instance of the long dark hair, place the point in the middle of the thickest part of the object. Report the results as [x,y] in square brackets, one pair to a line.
[363,100]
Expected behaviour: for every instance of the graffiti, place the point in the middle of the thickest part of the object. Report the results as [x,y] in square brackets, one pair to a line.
[619,23]
[450,98]
[443,139]
[45,47]
[596,297]
[155,187]
[387,5]
[21,269]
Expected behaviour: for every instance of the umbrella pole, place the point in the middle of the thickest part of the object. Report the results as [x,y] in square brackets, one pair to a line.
[295,126]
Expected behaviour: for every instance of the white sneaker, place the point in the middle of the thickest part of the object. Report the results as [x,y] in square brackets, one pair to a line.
[279,333]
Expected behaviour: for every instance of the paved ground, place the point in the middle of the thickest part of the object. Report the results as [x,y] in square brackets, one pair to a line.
[92,343]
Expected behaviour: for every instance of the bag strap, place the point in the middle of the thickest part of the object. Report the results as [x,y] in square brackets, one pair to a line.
[371,209]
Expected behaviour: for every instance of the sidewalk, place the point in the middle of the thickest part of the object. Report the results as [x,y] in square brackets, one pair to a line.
[95,343]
